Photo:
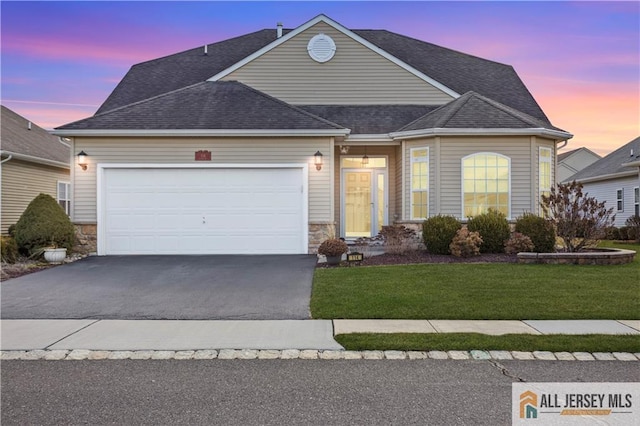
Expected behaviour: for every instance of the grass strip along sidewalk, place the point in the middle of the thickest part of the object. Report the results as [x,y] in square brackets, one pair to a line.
[482,292]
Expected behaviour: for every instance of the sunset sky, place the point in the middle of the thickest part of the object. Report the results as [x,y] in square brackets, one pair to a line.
[580,60]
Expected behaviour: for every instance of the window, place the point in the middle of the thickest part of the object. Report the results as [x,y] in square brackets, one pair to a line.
[485,184]
[620,200]
[64,196]
[636,201]
[419,183]
[544,172]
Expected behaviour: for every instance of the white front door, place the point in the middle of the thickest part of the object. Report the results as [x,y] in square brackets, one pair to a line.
[364,202]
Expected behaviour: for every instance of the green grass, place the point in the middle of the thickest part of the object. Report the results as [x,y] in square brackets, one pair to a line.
[479,291]
[508,342]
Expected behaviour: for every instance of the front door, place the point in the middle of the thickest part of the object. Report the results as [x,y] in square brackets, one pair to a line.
[364,202]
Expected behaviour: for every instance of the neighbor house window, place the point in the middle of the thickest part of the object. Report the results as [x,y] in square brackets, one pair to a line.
[64,196]
[636,201]
[485,184]
[544,172]
[620,200]
[419,183]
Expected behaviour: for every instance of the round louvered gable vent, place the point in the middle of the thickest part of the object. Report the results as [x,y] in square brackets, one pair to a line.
[321,48]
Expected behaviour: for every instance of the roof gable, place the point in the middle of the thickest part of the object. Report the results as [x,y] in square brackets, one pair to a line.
[208,106]
[353,35]
[34,143]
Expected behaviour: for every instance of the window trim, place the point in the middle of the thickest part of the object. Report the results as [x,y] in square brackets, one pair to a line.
[541,160]
[620,200]
[636,201]
[509,193]
[412,161]
[68,198]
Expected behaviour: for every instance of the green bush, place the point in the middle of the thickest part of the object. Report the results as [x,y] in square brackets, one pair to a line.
[43,224]
[540,230]
[493,228]
[633,222]
[612,233]
[9,249]
[623,232]
[438,232]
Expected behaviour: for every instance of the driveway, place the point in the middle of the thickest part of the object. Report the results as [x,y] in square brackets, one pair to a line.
[165,287]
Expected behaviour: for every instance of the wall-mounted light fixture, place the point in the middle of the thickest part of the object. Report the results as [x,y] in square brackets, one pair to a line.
[82,160]
[317,160]
[344,149]
[365,159]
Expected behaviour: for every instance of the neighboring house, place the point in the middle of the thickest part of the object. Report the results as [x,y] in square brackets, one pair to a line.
[217,149]
[33,162]
[615,179]
[571,162]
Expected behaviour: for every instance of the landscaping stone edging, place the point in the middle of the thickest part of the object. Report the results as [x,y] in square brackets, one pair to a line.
[600,256]
[225,354]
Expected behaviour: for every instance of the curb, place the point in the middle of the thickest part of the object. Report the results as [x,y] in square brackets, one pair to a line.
[81,354]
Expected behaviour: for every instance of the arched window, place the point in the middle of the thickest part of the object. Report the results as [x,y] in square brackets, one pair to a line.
[485,184]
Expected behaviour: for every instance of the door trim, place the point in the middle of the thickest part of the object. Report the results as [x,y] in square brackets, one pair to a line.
[101,190]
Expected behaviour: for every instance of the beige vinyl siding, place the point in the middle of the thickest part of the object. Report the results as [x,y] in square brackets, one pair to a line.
[445,171]
[355,75]
[23,181]
[392,173]
[223,151]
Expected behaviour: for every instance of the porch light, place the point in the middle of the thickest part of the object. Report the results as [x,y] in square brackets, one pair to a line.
[365,159]
[82,160]
[344,149]
[317,160]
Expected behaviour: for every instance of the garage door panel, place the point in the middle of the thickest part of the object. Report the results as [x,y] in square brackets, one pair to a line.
[204,211]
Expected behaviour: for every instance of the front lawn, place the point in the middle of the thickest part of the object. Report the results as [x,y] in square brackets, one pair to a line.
[479,291]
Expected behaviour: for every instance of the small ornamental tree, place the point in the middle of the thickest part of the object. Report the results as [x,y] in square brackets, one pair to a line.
[580,220]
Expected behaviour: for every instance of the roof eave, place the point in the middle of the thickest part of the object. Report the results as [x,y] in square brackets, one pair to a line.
[632,164]
[201,132]
[412,134]
[618,175]
[38,160]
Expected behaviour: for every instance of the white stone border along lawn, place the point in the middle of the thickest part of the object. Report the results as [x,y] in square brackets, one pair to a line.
[81,354]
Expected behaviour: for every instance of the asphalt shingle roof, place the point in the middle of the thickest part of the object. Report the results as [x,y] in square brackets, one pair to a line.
[16,137]
[221,105]
[474,111]
[370,119]
[458,71]
[612,163]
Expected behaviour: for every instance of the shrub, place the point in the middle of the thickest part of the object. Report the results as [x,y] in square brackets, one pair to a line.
[333,247]
[493,228]
[43,224]
[9,249]
[623,233]
[398,239]
[580,220]
[540,230]
[518,243]
[633,222]
[465,243]
[438,232]
[612,233]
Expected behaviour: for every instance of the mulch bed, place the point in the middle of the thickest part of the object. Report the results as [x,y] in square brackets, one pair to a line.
[421,256]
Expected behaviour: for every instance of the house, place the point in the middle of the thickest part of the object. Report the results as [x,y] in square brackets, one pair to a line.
[33,162]
[615,179]
[571,162]
[272,141]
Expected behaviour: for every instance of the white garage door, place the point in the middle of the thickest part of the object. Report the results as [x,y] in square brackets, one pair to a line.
[203,211]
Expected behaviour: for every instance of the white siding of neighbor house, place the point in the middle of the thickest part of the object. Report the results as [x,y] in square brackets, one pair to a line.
[606,191]
[445,156]
[574,163]
[355,75]
[223,151]
[23,181]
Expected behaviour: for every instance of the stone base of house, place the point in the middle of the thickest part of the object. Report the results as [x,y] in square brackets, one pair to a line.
[414,225]
[594,257]
[86,238]
[318,232]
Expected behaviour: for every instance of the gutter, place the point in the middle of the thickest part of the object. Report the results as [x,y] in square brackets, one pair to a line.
[33,159]
[540,131]
[6,159]
[202,132]
[608,176]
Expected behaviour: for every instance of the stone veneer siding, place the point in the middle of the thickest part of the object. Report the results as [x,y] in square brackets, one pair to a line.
[86,238]
[318,232]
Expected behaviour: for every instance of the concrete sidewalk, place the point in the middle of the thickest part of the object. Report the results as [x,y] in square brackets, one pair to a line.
[177,335]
